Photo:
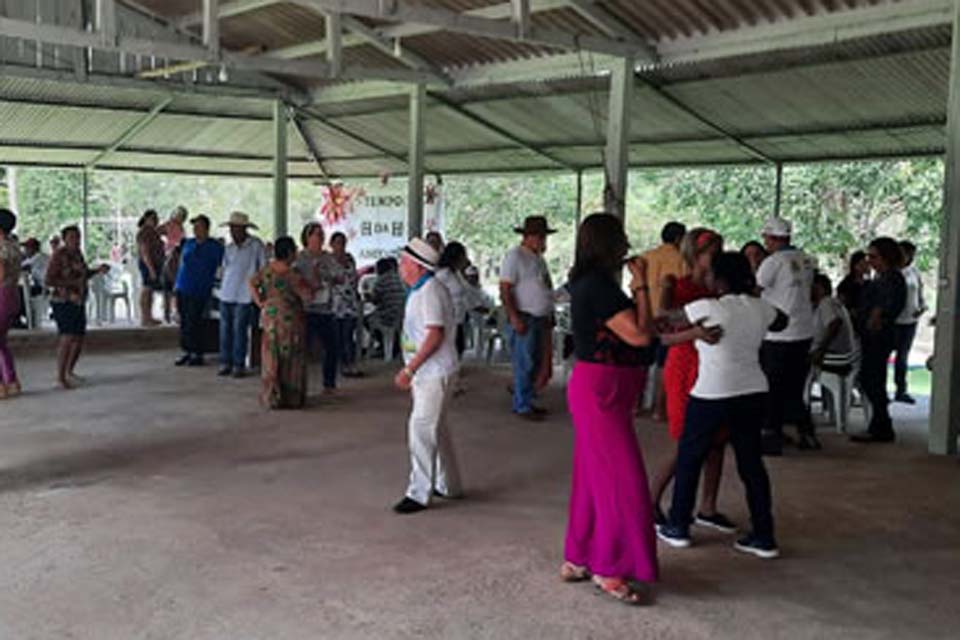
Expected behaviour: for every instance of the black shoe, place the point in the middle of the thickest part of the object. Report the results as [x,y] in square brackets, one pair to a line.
[905,398]
[766,549]
[195,361]
[809,442]
[182,360]
[540,411]
[225,371]
[437,494]
[716,521]
[673,535]
[239,373]
[408,505]
[867,437]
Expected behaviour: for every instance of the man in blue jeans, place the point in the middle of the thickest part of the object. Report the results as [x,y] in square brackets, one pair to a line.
[244,257]
[526,292]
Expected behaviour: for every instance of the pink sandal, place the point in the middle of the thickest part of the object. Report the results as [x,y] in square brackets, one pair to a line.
[618,589]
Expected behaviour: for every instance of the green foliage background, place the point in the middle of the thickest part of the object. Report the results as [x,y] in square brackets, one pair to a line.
[835,207]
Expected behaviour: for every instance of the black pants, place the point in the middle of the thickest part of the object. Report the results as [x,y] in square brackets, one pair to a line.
[876,350]
[191,309]
[743,416]
[903,341]
[786,365]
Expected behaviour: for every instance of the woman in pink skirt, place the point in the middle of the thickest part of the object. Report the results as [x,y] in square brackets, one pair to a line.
[610,535]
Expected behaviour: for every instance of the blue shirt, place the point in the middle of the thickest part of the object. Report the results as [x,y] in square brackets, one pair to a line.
[199,262]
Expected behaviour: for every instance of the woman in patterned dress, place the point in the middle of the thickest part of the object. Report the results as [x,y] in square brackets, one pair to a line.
[9,300]
[346,304]
[699,247]
[282,293]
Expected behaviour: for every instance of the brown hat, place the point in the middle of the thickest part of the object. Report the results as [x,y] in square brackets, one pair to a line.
[535,226]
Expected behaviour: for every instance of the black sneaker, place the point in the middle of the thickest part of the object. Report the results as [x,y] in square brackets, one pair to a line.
[905,398]
[716,521]
[225,371]
[766,549]
[673,535]
[408,505]
[195,361]
[867,437]
[182,360]
[239,372]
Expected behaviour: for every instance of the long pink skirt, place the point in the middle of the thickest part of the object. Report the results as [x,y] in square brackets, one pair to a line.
[610,529]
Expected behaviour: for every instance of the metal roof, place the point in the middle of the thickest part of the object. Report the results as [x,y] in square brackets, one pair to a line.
[879,94]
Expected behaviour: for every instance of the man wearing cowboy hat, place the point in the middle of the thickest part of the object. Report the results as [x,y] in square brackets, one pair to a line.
[527,295]
[785,279]
[430,373]
[244,257]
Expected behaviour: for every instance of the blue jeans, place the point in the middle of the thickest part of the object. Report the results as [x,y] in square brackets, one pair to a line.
[235,319]
[526,354]
[323,327]
[346,331]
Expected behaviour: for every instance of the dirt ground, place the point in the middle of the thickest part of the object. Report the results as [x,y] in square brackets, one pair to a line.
[160,503]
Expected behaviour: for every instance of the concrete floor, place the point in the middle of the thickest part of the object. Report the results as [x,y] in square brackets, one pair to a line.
[163,503]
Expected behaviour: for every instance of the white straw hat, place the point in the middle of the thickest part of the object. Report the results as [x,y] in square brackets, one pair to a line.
[422,253]
[777,228]
[239,219]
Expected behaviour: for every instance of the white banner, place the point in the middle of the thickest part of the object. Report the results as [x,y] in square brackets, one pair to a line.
[374,218]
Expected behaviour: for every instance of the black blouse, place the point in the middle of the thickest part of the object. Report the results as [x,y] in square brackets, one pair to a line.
[596,298]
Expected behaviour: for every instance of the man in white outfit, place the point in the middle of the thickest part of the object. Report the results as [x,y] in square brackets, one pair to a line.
[430,373]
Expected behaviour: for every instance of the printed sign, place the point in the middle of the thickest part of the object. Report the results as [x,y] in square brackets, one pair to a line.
[374,219]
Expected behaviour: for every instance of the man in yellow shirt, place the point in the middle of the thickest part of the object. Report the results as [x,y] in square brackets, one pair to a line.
[663,261]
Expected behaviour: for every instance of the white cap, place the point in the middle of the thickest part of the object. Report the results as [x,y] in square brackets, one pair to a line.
[777,228]
[422,253]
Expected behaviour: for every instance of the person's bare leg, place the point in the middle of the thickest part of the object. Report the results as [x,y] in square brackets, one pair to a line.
[168,303]
[146,308]
[662,478]
[75,354]
[64,351]
[712,472]
[659,412]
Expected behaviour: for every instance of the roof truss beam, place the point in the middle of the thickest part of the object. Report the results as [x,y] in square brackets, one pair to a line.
[454,22]
[129,134]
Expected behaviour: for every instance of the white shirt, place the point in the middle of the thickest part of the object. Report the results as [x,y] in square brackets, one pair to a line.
[528,273]
[37,265]
[240,263]
[786,277]
[458,293]
[428,306]
[732,366]
[915,300]
[826,312]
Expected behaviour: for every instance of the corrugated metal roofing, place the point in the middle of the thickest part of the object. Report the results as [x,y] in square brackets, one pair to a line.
[876,96]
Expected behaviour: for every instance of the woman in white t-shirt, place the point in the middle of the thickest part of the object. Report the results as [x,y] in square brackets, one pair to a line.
[730,393]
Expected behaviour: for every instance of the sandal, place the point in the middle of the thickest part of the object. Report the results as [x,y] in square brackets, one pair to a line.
[570,572]
[618,589]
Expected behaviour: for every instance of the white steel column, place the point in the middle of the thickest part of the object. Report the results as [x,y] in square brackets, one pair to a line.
[418,97]
[279,169]
[945,406]
[617,155]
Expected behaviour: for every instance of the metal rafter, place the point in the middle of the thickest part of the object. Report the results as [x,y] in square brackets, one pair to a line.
[129,134]
[404,55]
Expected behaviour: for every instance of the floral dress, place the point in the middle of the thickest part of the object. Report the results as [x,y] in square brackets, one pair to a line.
[283,348]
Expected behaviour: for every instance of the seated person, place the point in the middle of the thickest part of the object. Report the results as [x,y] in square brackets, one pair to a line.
[834,347]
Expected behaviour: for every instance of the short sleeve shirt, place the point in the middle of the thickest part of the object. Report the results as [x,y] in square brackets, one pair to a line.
[786,278]
[663,261]
[532,287]
[240,263]
[428,306]
[318,270]
[198,267]
[732,366]
[595,298]
[829,310]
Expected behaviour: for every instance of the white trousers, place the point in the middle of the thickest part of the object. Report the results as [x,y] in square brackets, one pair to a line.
[433,464]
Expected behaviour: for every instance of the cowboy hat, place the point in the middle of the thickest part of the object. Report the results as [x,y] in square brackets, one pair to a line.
[238,219]
[535,226]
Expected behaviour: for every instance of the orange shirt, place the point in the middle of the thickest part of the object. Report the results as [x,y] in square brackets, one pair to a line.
[663,261]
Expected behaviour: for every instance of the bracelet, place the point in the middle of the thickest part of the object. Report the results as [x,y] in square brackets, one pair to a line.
[407,372]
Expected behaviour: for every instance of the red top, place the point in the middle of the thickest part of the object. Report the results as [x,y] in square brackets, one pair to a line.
[685,291]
